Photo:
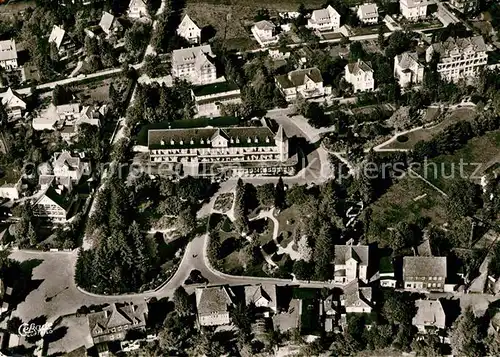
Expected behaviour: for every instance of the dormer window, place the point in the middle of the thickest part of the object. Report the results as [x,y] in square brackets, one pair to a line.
[172,142]
[192,142]
[249,140]
[256,140]
[267,139]
[202,142]
[162,142]
[181,142]
[231,140]
[208,141]
[237,140]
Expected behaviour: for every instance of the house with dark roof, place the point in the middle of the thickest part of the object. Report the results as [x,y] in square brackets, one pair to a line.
[54,203]
[306,83]
[357,298]
[63,42]
[408,69]
[351,262]
[213,305]
[113,322]
[368,13]
[424,273]
[230,151]
[262,296]
[265,33]
[360,75]
[430,315]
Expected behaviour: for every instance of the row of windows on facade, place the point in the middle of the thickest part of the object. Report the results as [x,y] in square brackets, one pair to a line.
[218,159]
[424,278]
[212,151]
[478,62]
[429,285]
[202,142]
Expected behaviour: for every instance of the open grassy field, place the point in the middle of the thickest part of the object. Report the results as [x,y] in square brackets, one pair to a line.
[407,200]
[481,153]
[427,133]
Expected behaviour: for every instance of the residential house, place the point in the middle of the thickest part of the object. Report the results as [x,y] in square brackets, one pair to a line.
[62,41]
[110,24]
[331,312]
[189,30]
[48,119]
[114,321]
[288,317]
[194,64]
[424,273]
[89,115]
[306,83]
[324,19]
[265,33]
[465,6]
[13,104]
[262,296]
[459,58]
[54,203]
[137,9]
[430,315]
[360,75]
[210,98]
[72,166]
[213,305]
[413,10]
[234,151]
[11,190]
[407,69]
[351,262]
[368,13]
[8,55]
[357,298]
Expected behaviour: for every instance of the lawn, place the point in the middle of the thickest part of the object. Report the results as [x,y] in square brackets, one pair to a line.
[409,140]
[481,153]
[407,200]
[288,223]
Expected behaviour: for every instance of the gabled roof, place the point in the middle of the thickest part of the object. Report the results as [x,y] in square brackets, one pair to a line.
[137,3]
[424,267]
[299,77]
[106,21]
[65,158]
[59,200]
[117,315]
[187,22]
[8,50]
[475,43]
[216,299]
[68,108]
[254,293]
[429,313]
[343,253]
[12,100]
[57,36]
[265,25]
[325,13]
[407,60]
[359,67]
[356,295]
[190,55]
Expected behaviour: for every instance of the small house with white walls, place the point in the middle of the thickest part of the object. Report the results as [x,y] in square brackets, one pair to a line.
[360,75]
[324,19]
[368,13]
[189,30]
[265,33]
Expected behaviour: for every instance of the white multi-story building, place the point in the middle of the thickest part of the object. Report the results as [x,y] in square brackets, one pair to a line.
[460,58]
[368,13]
[265,33]
[210,98]
[351,262]
[194,65]
[324,19]
[233,151]
[213,305]
[408,69]
[465,6]
[189,30]
[307,83]
[137,9]
[413,10]
[8,55]
[360,75]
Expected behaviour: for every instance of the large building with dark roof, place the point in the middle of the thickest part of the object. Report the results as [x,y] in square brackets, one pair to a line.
[459,58]
[424,273]
[232,151]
